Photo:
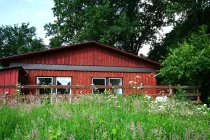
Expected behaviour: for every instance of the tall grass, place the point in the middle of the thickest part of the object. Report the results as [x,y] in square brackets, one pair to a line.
[106,117]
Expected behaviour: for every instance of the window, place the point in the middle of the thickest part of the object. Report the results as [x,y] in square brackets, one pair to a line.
[45,81]
[63,81]
[54,81]
[116,82]
[107,81]
[101,82]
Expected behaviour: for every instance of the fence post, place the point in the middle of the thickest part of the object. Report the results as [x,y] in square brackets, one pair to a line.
[198,97]
[5,98]
[170,91]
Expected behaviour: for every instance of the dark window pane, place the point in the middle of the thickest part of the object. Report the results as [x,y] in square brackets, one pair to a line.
[44,81]
[98,81]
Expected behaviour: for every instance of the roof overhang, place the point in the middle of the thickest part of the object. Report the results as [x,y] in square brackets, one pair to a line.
[20,68]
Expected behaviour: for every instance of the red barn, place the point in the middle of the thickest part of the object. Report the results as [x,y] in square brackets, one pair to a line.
[84,64]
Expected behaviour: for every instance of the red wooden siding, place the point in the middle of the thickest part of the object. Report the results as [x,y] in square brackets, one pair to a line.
[87,56]
[8,77]
[85,78]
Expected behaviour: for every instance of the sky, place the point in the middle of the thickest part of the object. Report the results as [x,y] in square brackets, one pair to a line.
[38,13]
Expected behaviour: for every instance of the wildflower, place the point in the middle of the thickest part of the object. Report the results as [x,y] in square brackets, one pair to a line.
[161,99]
[204,105]
[134,87]
[137,76]
[198,108]
[147,97]
[204,113]
[190,113]
[161,107]
[114,97]
[130,82]
[141,85]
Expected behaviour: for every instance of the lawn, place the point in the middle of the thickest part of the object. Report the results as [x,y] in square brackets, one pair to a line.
[106,117]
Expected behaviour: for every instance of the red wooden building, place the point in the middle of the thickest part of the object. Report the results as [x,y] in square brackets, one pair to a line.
[84,64]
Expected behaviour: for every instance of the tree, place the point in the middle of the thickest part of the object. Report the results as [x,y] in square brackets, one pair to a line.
[55,42]
[16,40]
[126,24]
[193,14]
[189,63]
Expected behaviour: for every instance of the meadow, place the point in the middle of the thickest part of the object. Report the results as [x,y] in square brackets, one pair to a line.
[106,117]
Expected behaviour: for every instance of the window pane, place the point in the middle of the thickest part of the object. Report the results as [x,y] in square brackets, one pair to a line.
[99,81]
[116,82]
[44,81]
[63,81]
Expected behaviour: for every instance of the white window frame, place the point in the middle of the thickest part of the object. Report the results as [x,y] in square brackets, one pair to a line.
[56,84]
[45,77]
[121,82]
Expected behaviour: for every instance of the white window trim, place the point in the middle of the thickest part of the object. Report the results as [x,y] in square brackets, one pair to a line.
[45,77]
[56,84]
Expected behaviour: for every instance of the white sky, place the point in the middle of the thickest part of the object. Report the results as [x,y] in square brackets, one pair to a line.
[145,49]
[37,13]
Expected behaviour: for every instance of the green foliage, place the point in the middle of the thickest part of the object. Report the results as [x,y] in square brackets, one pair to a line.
[126,24]
[189,63]
[106,117]
[21,39]
[180,94]
[55,42]
[8,122]
[192,14]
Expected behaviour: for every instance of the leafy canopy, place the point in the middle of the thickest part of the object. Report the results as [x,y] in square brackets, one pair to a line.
[189,63]
[192,15]
[126,24]
[16,40]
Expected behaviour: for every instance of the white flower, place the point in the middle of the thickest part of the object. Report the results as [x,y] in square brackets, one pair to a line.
[137,76]
[198,108]
[161,99]
[130,82]
[148,97]
[204,113]
[161,107]
[204,105]
[190,113]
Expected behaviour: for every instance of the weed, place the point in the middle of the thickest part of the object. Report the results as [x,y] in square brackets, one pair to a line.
[106,117]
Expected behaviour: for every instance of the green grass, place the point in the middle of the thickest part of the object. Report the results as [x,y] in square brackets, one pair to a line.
[106,117]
